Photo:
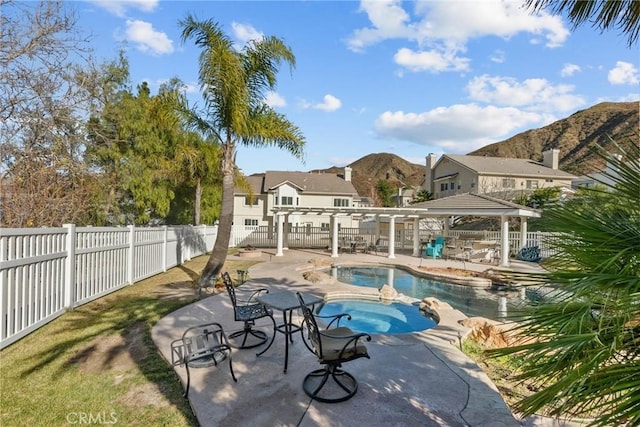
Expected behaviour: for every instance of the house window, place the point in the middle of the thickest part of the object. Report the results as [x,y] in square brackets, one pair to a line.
[508,183]
[548,180]
[341,203]
[250,222]
[452,185]
[324,226]
[250,201]
[473,184]
[444,186]
[287,201]
[532,184]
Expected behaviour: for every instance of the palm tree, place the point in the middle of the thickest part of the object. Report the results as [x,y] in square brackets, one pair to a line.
[604,14]
[584,355]
[233,84]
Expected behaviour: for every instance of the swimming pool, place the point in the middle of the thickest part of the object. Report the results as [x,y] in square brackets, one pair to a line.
[472,301]
[376,317]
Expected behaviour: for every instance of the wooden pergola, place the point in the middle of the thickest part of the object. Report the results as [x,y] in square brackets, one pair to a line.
[468,204]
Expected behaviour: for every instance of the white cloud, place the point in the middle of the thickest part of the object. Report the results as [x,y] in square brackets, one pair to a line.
[146,39]
[341,161]
[245,33]
[569,70]
[454,22]
[535,94]
[624,73]
[389,20]
[441,29]
[430,61]
[499,56]
[120,7]
[329,103]
[273,100]
[455,129]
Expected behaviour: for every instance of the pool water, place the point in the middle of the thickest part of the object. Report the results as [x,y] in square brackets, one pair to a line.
[472,301]
[375,317]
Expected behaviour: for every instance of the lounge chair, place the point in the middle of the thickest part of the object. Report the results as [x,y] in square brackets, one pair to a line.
[434,249]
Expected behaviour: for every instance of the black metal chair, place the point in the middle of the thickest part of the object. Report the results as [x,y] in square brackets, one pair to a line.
[333,346]
[201,346]
[248,311]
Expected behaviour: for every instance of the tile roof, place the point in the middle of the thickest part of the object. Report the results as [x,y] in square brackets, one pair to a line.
[507,166]
[307,182]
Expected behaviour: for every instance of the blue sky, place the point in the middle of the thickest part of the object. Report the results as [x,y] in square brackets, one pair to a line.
[386,76]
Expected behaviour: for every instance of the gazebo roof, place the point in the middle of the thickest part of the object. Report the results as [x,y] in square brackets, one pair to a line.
[475,205]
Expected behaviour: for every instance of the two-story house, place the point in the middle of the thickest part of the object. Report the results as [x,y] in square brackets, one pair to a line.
[498,176]
[295,189]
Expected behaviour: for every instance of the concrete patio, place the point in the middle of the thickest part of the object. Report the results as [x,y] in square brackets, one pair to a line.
[411,379]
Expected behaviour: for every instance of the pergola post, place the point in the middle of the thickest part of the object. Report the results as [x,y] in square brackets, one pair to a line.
[392,237]
[504,259]
[333,224]
[523,231]
[279,221]
[285,234]
[416,237]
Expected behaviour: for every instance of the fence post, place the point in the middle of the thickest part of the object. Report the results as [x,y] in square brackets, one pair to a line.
[70,268]
[132,233]
[164,248]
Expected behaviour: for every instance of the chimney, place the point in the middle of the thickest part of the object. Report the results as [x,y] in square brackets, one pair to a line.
[428,173]
[551,158]
[347,173]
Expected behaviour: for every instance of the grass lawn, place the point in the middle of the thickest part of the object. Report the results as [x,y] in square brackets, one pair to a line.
[97,364]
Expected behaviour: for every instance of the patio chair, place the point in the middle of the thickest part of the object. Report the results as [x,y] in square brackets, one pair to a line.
[247,310]
[379,246]
[333,347]
[434,249]
[201,346]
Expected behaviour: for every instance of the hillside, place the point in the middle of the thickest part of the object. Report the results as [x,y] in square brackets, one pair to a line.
[574,137]
[370,169]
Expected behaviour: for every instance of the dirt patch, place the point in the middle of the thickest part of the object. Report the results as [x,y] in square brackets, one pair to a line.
[116,353]
[496,277]
[452,271]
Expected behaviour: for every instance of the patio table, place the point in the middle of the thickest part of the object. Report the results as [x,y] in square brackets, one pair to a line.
[286,302]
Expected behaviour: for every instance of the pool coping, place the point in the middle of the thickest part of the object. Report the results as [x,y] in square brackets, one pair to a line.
[432,362]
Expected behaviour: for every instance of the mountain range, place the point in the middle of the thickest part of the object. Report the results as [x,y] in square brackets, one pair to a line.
[575,136]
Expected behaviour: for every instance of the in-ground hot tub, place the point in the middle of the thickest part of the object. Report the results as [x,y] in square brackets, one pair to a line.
[377,317]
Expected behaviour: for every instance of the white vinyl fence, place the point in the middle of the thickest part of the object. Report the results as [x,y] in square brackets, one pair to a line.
[46,271]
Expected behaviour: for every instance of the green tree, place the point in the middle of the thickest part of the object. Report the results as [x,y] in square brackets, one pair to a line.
[542,196]
[233,84]
[134,139]
[584,355]
[603,14]
[385,192]
[422,196]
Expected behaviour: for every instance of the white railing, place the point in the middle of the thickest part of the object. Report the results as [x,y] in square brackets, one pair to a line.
[46,271]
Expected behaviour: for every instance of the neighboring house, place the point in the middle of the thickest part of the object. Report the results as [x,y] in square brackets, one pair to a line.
[501,177]
[295,189]
[598,178]
[404,197]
